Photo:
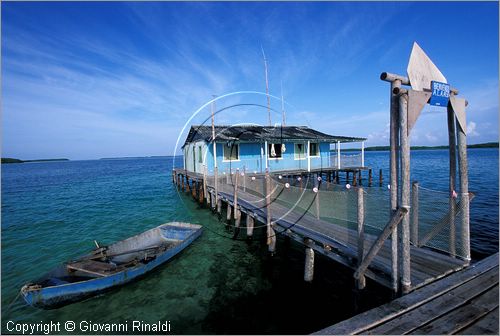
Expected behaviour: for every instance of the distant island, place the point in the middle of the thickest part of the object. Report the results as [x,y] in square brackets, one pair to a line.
[12,160]
[386,148]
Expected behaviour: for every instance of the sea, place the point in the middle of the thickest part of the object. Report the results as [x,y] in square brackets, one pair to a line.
[53,211]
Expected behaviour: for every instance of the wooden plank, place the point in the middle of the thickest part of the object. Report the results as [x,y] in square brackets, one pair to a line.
[376,316]
[487,325]
[92,267]
[462,317]
[445,303]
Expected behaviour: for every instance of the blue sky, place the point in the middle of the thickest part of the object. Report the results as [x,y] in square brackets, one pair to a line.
[91,80]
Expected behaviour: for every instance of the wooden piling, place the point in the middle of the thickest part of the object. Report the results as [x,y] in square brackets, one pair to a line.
[228,214]
[380,177]
[346,177]
[370,177]
[271,236]
[235,195]
[453,175]
[360,177]
[219,206]
[464,192]
[309,262]
[337,177]
[216,188]
[250,225]
[405,192]
[414,213]
[354,181]
[361,282]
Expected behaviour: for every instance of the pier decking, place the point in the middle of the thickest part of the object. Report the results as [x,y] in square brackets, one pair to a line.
[337,242]
[464,303]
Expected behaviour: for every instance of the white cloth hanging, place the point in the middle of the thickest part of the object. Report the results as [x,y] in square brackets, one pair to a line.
[273,151]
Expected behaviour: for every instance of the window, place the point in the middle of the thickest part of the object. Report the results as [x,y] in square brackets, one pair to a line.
[200,156]
[231,152]
[274,151]
[300,151]
[313,149]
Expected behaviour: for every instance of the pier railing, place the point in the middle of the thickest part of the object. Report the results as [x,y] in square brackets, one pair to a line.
[358,218]
[435,215]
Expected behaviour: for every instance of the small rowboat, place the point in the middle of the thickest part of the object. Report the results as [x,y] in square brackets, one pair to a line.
[109,266]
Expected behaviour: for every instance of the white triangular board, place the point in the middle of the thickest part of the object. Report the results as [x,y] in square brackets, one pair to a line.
[458,105]
[416,102]
[421,70]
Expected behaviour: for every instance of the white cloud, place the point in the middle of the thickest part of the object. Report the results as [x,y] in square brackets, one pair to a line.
[471,129]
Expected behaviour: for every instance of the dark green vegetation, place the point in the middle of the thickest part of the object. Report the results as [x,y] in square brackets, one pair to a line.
[11,160]
[386,148]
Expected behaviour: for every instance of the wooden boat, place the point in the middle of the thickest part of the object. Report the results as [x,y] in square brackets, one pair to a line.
[110,266]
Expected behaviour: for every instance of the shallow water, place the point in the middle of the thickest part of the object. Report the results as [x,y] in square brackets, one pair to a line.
[53,211]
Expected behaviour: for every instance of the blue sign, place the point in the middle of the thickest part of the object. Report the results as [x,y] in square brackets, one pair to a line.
[440,94]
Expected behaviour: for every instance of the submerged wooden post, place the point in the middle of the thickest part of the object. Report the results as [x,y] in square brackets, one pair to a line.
[183,186]
[414,213]
[405,192]
[250,225]
[354,182]
[337,177]
[464,192]
[228,215]
[361,282]
[309,262]
[453,175]
[346,177]
[219,206]
[380,177]
[370,177]
[360,177]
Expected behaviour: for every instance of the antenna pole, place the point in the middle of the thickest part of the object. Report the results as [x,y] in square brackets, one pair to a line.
[213,130]
[283,106]
[267,88]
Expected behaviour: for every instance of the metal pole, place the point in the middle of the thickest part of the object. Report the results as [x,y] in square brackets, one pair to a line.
[405,192]
[453,174]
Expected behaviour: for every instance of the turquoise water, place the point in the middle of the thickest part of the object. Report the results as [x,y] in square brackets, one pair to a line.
[53,211]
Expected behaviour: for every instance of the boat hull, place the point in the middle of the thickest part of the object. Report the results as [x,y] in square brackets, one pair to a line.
[60,295]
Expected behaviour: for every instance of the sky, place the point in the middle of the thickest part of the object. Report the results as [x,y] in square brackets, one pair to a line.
[110,79]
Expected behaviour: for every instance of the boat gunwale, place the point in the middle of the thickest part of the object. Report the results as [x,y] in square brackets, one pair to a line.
[25,290]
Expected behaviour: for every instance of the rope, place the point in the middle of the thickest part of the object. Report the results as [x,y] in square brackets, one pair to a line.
[10,305]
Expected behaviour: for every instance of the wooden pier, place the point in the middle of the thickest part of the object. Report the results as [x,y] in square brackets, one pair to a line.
[338,243]
[463,303]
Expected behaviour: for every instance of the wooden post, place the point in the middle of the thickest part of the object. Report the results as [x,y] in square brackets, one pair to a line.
[183,185]
[361,282]
[405,192]
[309,262]
[216,188]
[205,193]
[354,182]
[380,177]
[250,225]
[316,202]
[244,179]
[464,191]
[219,206]
[235,195]
[337,177]
[173,176]
[453,175]
[414,213]
[360,177]
[228,215]
[201,193]
[370,177]
[396,82]
[346,177]
[271,236]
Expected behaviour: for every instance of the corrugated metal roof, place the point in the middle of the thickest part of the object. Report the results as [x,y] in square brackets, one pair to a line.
[251,133]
